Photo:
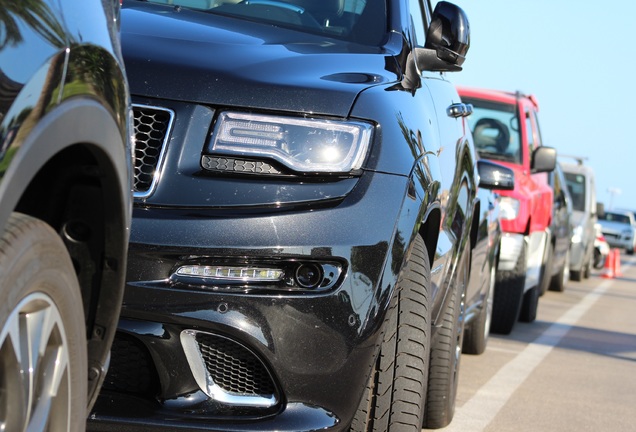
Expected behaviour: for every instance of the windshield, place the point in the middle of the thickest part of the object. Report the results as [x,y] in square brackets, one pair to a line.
[576,187]
[617,217]
[361,21]
[495,128]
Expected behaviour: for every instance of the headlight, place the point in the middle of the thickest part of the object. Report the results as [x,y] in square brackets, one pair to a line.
[306,145]
[627,233]
[508,208]
[577,234]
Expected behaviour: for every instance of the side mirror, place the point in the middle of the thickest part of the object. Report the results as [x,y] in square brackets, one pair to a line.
[600,210]
[543,160]
[495,176]
[447,40]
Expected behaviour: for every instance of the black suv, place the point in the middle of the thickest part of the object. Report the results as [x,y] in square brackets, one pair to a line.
[301,235]
[65,207]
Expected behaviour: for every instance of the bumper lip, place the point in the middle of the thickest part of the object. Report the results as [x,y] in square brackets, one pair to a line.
[296,417]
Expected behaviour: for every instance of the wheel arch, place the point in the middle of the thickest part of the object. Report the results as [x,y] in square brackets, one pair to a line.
[72,172]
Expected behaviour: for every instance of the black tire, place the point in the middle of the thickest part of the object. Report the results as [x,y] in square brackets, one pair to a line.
[446,349]
[576,275]
[558,281]
[530,305]
[546,270]
[476,333]
[629,251]
[587,269]
[38,286]
[508,296]
[396,392]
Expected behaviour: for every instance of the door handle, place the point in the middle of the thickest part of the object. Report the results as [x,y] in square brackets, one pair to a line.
[459,110]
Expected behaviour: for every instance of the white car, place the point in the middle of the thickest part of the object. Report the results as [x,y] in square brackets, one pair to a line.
[619,229]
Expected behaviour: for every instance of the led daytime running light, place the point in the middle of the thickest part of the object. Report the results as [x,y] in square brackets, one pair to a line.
[257,274]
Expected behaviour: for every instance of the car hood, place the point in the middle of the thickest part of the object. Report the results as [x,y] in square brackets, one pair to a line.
[188,55]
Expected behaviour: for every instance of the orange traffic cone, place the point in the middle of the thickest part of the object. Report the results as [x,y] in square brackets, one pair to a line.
[617,263]
[608,269]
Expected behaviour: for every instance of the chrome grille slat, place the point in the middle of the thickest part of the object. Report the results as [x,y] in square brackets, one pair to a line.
[152,130]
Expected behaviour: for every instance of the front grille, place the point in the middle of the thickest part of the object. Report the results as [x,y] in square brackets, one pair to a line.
[131,369]
[152,129]
[233,368]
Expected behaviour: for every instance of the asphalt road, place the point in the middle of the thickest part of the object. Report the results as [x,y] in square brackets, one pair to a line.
[573,369]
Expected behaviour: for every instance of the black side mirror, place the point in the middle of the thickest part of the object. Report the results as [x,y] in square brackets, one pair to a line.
[495,176]
[543,160]
[447,40]
[600,210]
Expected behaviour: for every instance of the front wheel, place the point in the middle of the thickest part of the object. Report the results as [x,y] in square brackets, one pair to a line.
[43,365]
[395,395]
[477,332]
[508,296]
[446,350]
[560,279]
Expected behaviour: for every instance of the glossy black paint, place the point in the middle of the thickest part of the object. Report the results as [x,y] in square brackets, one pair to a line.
[419,177]
[64,117]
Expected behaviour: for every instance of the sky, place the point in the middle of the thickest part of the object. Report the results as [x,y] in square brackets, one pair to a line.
[579,59]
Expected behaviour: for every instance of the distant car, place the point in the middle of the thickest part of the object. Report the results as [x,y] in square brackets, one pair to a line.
[480,293]
[65,207]
[558,260]
[582,187]
[601,248]
[505,129]
[619,229]
[301,237]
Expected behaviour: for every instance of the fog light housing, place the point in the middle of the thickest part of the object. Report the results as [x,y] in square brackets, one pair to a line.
[260,276]
[308,275]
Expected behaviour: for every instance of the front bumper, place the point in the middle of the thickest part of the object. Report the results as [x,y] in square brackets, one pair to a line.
[618,240]
[313,351]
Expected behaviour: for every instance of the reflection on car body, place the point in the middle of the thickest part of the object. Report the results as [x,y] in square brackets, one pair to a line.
[65,207]
[297,177]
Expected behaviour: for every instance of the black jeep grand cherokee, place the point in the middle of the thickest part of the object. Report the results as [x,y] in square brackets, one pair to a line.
[302,228]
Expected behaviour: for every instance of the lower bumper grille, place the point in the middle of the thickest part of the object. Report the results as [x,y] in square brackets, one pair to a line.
[131,369]
[227,371]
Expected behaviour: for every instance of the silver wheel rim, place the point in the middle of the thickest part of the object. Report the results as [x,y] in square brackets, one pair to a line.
[34,368]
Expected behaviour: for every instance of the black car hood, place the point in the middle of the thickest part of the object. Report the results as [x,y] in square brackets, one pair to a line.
[187,55]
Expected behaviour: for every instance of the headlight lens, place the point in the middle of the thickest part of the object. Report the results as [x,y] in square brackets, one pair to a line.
[508,208]
[577,234]
[305,145]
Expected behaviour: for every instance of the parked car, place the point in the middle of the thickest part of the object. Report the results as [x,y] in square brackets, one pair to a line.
[619,229]
[301,240]
[505,129]
[65,207]
[480,293]
[582,188]
[601,248]
[558,260]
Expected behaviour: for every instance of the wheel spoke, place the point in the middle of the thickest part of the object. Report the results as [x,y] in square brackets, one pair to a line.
[35,350]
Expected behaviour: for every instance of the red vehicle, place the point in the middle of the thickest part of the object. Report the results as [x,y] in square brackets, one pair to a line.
[506,130]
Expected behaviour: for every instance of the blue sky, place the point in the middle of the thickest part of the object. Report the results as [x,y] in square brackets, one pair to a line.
[578,58]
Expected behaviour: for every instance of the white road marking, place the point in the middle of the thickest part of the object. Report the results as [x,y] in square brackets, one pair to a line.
[483,407]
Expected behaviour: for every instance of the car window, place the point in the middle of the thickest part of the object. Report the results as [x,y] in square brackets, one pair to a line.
[495,128]
[361,21]
[617,217]
[576,186]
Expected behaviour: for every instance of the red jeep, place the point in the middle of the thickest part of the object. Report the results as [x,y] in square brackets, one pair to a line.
[505,129]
